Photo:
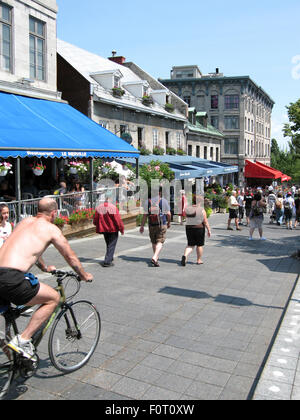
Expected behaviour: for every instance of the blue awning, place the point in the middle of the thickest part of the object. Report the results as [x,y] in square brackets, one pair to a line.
[185,167]
[36,127]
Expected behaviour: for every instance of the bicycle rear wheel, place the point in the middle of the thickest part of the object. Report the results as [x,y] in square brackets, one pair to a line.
[74,336]
[6,361]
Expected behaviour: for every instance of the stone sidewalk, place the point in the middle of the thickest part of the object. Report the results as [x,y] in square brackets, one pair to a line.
[180,333]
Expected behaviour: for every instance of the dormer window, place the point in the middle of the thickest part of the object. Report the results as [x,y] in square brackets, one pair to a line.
[108,79]
[117,81]
[139,88]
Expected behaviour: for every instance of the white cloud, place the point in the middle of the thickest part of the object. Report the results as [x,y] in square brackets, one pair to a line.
[296,68]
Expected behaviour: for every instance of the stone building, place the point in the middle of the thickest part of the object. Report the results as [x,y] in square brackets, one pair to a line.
[203,140]
[236,106]
[122,98]
[28,48]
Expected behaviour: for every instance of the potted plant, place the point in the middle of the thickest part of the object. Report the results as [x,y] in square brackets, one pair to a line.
[171,151]
[147,100]
[181,152]
[118,92]
[38,169]
[4,168]
[169,107]
[158,151]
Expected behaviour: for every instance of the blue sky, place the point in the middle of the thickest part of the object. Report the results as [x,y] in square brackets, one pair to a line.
[259,39]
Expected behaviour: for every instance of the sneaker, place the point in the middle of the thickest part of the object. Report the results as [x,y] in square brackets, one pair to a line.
[183,261]
[250,238]
[229,228]
[25,348]
[263,239]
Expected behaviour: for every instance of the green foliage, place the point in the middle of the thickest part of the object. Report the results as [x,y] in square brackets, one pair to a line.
[156,170]
[158,151]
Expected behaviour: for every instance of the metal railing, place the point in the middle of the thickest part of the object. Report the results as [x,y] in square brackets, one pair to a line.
[66,203]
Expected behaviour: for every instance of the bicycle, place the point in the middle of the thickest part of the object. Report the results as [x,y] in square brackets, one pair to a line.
[74,336]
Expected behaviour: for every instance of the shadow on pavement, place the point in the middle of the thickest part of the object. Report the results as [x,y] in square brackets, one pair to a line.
[226,299]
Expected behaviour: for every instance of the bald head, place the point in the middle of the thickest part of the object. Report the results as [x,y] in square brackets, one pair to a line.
[47,205]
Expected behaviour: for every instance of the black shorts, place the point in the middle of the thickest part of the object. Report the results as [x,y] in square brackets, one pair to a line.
[233,214]
[14,288]
[195,236]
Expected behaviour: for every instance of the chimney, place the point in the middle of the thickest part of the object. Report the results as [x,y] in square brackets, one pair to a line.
[217,70]
[117,59]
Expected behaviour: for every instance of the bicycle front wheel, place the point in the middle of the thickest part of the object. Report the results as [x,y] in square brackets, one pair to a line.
[6,361]
[74,336]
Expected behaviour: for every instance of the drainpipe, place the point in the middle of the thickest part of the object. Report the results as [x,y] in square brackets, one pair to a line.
[18,187]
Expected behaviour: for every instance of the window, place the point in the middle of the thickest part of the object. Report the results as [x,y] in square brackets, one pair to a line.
[190,150]
[211,153]
[217,154]
[140,136]
[178,140]
[5,37]
[187,99]
[155,138]
[231,146]
[197,151]
[205,152]
[37,49]
[232,101]
[214,121]
[103,124]
[231,123]
[214,102]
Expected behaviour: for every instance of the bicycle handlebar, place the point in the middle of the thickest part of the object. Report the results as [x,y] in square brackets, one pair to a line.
[61,273]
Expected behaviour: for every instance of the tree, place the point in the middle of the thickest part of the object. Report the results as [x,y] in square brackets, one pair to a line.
[292,129]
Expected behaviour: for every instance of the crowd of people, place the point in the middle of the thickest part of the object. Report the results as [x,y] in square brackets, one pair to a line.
[281,206]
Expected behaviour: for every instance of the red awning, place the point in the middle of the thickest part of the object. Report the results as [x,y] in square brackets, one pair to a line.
[284,177]
[259,170]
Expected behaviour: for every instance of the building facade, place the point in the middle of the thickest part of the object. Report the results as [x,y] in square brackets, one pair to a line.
[235,106]
[28,48]
[203,140]
[122,98]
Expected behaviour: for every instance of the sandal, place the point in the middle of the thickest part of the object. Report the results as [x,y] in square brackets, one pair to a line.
[154,263]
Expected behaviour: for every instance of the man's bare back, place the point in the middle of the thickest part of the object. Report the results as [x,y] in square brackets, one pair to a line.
[25,247]
[27,243]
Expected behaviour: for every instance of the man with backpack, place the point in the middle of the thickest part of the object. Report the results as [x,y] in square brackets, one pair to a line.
[157,210]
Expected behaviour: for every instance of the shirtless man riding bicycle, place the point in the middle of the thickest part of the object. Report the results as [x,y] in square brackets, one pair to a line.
[24,248]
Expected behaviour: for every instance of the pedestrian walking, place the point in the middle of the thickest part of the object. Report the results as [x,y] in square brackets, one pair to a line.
[158,213]
[297,209]
[257,215]
[248,198]
[182,207]
[279,212]
[108,222]
[196,223]
[288,204]
[233,206]
[241,209]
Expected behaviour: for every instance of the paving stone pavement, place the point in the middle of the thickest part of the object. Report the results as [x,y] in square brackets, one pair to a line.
[225,330]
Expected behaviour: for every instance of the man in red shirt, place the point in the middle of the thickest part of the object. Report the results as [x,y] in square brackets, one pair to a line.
[109,223]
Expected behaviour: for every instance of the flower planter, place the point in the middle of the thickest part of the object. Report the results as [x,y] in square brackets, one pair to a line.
[38,172]
[73,171]
[3,173]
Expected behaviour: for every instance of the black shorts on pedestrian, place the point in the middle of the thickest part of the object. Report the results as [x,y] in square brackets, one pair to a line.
[195,236]
[233,214]
[14,288]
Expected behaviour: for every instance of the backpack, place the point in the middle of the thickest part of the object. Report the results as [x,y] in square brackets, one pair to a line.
[278,204]
[288,205]
[257,210]
[155,214]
